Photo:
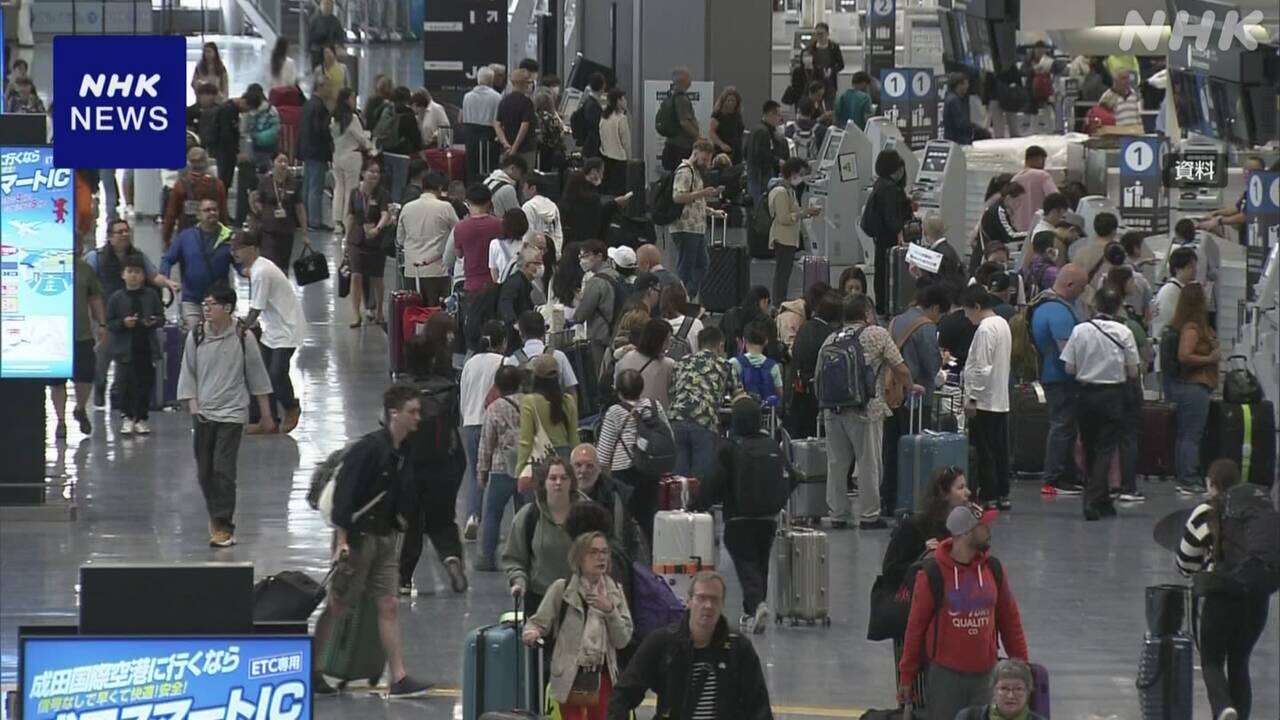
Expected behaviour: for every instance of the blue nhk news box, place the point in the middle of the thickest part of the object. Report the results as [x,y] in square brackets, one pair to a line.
[255,677]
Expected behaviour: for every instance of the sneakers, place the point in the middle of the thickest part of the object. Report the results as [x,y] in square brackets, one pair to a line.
[747,624]
[320,685]
[1064,488]
[472,528]
[99,400]
[407,687]
[82,417]
[1228,714]
[457,578]
[290,420]
[1004,505]
[141,427]
[761,619]
[1192,489]
[1132,497]
[222,539]
[877,524]
[406,588]
[126,427]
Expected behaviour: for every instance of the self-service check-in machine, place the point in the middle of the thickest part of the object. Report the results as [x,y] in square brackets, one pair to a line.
[940,187]
[1196,175]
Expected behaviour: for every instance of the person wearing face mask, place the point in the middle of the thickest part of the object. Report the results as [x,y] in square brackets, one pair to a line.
[584,210]
[886,213]
[786,230]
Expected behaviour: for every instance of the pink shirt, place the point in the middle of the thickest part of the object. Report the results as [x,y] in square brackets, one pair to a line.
[1038,184]
[471,239]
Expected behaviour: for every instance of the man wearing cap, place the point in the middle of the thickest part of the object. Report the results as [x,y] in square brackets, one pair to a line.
[960,606]
[624,261]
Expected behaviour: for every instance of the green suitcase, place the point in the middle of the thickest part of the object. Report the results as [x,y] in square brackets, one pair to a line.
[354,652]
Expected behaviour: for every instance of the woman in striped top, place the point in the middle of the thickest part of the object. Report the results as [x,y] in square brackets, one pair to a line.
[617,444]
[1230,624]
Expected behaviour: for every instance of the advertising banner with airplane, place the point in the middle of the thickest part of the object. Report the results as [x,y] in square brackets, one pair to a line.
[37,265]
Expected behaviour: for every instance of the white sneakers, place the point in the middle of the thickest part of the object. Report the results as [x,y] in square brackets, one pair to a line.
[126,427]
[130,427]
[1229,714]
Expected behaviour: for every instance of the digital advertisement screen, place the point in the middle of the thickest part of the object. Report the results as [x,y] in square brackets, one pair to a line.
[37,265]
[200,678]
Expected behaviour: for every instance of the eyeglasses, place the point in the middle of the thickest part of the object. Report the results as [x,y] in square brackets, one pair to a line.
[1011,690]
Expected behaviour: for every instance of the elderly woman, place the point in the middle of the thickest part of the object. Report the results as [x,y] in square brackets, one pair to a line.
[1012,692]
[588,616]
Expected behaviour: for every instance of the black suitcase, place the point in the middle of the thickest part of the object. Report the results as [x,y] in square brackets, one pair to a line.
[902,286]
[289,596]
[1225,437]
[729,272]
[635,179]
[1164,677]
[1028,428]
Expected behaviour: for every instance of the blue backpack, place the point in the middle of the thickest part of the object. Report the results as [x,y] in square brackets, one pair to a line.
[758,381]
[653,604]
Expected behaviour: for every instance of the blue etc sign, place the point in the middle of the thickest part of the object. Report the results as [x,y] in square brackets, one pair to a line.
[120,101]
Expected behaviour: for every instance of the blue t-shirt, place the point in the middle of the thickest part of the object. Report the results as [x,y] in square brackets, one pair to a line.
[1052,323]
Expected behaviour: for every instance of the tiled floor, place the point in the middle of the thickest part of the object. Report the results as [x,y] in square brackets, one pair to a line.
[1080,586]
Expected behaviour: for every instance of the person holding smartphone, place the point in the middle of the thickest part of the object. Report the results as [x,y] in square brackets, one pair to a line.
[133,314]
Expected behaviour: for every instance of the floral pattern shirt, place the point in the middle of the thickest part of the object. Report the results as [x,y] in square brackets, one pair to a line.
[700,385]
[694,217]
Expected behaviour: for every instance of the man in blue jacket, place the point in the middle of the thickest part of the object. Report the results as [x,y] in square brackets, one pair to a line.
[204,254]
[956,125]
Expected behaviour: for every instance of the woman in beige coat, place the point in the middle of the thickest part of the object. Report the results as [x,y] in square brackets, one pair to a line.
[588,617]
[784,233]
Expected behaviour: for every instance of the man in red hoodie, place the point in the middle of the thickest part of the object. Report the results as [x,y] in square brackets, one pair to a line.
[960,602]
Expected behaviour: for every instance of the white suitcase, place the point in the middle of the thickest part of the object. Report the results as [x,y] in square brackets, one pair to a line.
[682,539]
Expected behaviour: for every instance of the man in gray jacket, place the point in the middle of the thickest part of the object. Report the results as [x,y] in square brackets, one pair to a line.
[221,368]
[600,295]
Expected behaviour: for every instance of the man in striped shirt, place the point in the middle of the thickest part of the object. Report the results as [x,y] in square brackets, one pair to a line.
[1125,99]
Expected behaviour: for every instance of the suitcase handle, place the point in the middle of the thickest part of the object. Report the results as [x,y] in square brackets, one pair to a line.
[915,414]
[724,229]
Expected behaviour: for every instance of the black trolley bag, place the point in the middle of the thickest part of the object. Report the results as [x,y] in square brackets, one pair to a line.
[729,270]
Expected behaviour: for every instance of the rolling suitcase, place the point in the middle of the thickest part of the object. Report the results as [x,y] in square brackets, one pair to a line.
[1040,690]
[1246,434]
[1164,677]
[449,161]
[168,367]
[681,539]
[801,576]
[401,300]
[354,650]
[808,458]
[902,286]
[921,452]
[728,274]
[1155,439]
[815,269]
[490,688]
[676,492]
[1028,429]
[289,596]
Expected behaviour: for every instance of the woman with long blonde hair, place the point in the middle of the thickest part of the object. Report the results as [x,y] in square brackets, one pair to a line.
[1197,376]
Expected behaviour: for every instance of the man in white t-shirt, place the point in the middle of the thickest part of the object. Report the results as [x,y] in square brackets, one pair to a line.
[1182,270]
[533,330]
[986,390]
[477,378]
[274,306]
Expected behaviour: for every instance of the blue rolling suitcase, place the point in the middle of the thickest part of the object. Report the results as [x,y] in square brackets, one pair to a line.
[922,452]
[500,674]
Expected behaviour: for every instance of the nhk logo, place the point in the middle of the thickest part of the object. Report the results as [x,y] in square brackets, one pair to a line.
[109,117]
[1150,33]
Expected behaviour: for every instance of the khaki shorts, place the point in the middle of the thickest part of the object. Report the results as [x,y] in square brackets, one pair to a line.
[372,566]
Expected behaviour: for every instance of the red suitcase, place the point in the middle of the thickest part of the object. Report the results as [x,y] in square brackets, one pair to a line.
[1155,439]
[676,492]
[401,301]
[452,161]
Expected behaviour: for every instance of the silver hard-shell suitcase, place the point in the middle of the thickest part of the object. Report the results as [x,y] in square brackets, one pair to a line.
[801,576]
[808,458]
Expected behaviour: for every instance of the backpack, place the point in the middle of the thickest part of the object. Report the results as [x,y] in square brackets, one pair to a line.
[619,299]
[1168,349]
[436,439]
[758,381]
[664,209]
[386,132]
[579,126]
[667,120]
[680,346]
[929,566]
[653,604]
[758,234]
[843,377]
[322,478]
[1239,385]
[526,370]
[1247,555]
[760,483]
[1041,87]
[1024,357]
[655,451]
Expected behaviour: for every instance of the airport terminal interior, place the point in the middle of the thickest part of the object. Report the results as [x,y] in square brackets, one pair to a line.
[111,497]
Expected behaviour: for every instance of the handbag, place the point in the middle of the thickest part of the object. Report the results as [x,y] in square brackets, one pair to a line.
[311,266]
[1240,386]
[541,450]
[586,688]
[890,609]
[344,278]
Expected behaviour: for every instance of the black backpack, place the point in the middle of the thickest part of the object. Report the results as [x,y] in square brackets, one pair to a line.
[436,439]
[655,451]
[760,483]
[1168,349]
[579,126]
[664,209]
[1247,555]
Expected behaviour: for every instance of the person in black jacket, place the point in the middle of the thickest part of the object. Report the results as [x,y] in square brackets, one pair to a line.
[224,145]
[887,212]
[396,156]
[516,296]
[372,497]
[766,151]
[592,112]
[584,211]
[996,228]
[698,667]
[802,406]
[315,149]
[325,29]
[956,125]
[202,117]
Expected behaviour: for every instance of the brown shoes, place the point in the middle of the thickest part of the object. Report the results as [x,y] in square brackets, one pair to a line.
[290,420]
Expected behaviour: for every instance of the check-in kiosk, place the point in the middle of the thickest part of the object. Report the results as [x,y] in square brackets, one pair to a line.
[940,187]
[837,187]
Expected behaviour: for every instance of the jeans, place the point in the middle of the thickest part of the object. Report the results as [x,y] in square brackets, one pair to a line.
[750,542]
[500,489]
[1230,625]
[1059,463]
[989,436]
[313,174]
[850,436]
[1191,403]
[785,259]
[475,493]
[110,192]
[396,174]
[217,447]
[1130,428]
[278,361]
[692,261]
[1103,405]
[695,449]
[135,381]
[100,366]
[435,517]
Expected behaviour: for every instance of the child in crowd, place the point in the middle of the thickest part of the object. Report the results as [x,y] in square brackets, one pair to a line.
[133,314]
[759,376]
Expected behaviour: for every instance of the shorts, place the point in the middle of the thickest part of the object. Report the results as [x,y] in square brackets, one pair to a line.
[83,363]
[372,567]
